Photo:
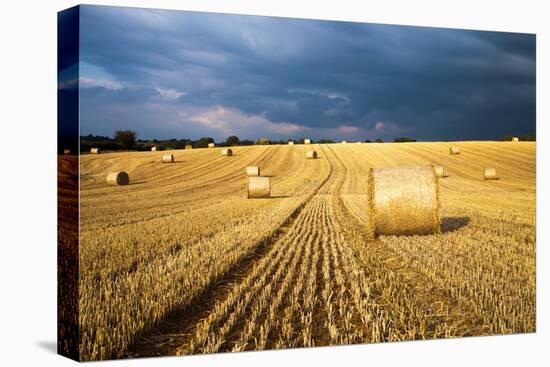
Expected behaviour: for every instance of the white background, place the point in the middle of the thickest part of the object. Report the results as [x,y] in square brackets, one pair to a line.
[28,181]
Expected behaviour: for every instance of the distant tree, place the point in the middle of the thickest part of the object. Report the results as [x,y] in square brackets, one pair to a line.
[368,141]
[247,142]
[232,140]
[203,142]
[379,140]
[262,141]
[528,137]
[506,138]
[404,139]
[326,141]
[126,138]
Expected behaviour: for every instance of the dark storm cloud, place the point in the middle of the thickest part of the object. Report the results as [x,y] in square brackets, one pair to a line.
[185,74]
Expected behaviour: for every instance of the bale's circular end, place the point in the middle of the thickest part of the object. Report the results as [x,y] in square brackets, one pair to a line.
[312,154]
[118,178]
[404,201]
[454,150]
[490,173]
[259,187]
[227,152]
[253,171]
[95,150]
[168,158]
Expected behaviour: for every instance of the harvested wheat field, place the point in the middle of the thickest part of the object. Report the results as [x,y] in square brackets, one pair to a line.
[180,261]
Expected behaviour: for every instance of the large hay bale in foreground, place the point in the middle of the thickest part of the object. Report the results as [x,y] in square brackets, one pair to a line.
[490,173]
[118,178]
[439,171]
[211,145]
[188,146]
[454,150]
[404,200]
[227,152]
[253,171]
[95,150]
[307,141]
[312,154]
[515,139]
[259,187]
[66,151]
[168,158]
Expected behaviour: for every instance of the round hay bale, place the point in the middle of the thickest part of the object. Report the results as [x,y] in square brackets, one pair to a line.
[344,142]
[168,158]
[66,151]
[290,143]
[439,171]
[259,187]
[95,150]
[211,145]
[312,154]
[252,171]
[227,152]
[515,139]
[307,141]
[454,150]
[118,178]
[490,173]
[154,149]
[188,146]
[404,200]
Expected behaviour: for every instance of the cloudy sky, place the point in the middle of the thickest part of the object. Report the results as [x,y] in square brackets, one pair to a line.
[175,74]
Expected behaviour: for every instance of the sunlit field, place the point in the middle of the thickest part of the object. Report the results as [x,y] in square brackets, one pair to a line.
[181,262]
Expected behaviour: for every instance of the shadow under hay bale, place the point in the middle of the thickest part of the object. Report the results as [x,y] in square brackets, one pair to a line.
[118,178]
[168,158]
[259,187]
[451,224]
[404,200]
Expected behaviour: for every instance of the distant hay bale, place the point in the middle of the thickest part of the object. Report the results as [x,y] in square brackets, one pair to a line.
[227,152]
[188,146]
[259,187]
[312,154]
[307,141]
[66,151]
[118,178]
[454,150]
[253,171]
[211,145]
[515,140]
[95,150]
[344,142]
[490,173]
[290,143]
[404,200]
[359,142]
[439,171]
[154,149]
[168,158]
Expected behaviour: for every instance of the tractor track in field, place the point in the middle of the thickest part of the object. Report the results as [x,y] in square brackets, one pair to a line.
[165,338]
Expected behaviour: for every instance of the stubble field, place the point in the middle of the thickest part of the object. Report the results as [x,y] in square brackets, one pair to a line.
[181,262]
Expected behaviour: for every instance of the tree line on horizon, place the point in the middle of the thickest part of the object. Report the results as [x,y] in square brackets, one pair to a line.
[128,140]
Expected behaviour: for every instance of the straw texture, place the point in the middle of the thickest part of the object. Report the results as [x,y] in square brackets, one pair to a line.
[252,171]
[404,201]
[259,187]
[168,158]
[118,178]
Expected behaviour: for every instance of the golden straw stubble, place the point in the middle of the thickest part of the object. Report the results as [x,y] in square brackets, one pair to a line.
[404,200]
[118,178]
[259,187]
